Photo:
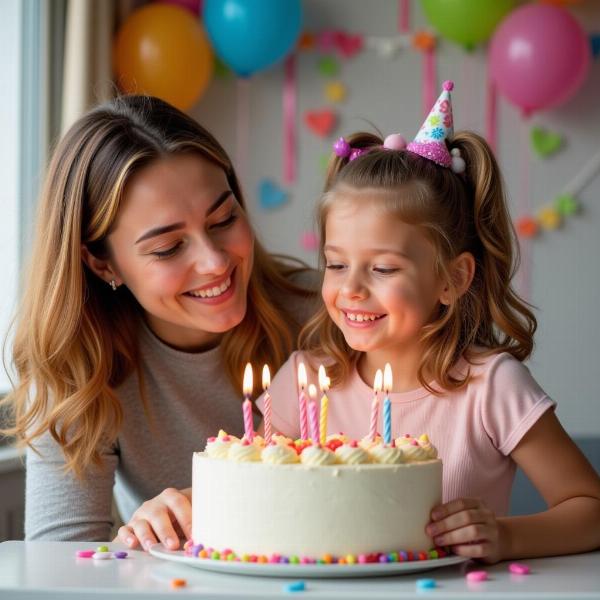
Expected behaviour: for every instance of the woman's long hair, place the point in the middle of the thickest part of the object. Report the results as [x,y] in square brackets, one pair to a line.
[458,213]
[75,338]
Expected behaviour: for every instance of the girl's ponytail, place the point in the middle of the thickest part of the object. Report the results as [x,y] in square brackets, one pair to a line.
[507,323]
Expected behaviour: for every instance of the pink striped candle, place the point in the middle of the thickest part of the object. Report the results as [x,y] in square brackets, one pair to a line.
[302,381]
[313,413]
[247,405]
[375,405]
[266,381]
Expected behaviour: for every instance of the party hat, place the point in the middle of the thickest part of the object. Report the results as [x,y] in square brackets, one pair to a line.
[431,139]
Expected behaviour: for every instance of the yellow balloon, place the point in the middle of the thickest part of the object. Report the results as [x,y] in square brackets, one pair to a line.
[162,50]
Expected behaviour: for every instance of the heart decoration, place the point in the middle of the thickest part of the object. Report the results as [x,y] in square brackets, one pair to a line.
[348,45]
[320,122]
[544,142]
[309,241]
[270,195]
[549,218]
[527,227]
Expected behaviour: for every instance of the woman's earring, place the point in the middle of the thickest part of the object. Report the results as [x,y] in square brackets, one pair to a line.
[113,285]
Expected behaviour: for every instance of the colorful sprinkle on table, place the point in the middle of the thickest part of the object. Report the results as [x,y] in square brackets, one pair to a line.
[120,554]
[426,584]
[102,549]
[85,553]
[477,576]
[178,583]
[519,569]
[102,555]
[296,586]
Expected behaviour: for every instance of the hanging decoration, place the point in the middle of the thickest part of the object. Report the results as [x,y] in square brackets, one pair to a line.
[539,56]
[162,50]
[270,195]
[544,142]
[466,22]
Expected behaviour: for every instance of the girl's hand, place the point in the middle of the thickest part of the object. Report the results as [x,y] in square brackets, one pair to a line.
[165,518]
[469,527]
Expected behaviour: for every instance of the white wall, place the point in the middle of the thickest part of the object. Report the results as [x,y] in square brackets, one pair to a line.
[566,280]
[10,115]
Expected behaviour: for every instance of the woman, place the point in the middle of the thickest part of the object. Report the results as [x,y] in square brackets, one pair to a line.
[147,294]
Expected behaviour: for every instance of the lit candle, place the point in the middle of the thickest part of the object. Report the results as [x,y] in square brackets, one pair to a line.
[313,413]
[324,383]
[387,404]
[375,405]
[266,381]
[247,405]
[302,381]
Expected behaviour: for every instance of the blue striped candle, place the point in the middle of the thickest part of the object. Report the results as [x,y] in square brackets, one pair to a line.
[387,421]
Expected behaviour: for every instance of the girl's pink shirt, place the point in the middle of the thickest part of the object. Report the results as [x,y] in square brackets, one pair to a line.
[474,429]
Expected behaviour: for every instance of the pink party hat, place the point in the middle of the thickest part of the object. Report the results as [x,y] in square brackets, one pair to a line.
[431,139]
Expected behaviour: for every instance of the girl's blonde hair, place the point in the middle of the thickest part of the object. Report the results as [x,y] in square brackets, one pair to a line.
[458,213]
[75,338]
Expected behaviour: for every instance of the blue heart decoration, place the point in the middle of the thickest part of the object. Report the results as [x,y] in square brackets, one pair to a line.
[595,41]
[270,195]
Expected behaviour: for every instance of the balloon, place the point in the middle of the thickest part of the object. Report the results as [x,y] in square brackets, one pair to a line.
[162,50]
[251,35]
[466,22]
[191,5]
[539,57]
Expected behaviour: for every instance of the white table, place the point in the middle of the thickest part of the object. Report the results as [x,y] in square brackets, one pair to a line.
[48,570]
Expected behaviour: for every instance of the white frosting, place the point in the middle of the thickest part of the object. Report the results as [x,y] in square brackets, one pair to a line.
[387,455]
[243,452]
[414,453]
[289,509]
[315,456]
[279,455]
[352,455]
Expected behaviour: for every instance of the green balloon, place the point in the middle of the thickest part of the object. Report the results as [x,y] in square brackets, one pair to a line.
[466,22]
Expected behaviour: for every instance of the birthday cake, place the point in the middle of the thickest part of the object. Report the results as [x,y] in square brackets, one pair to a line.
[343,501]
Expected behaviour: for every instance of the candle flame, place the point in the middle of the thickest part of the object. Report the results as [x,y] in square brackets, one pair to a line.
[312,391]
[324,381]
[266,377]
[378,381]
[387,378]
[302,378]
[247,386]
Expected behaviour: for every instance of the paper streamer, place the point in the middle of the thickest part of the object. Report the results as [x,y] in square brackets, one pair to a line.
[581,180]
[523,209]
[403,16]
[243,124]
[429,80]
[289,120]
[491,115]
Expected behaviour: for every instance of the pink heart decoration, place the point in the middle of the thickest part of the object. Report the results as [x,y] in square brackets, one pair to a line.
[348,45]
[320,122]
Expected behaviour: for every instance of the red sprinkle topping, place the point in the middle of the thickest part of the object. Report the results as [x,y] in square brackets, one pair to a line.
[414,443]
[353,444]
[245,442]
[334,444]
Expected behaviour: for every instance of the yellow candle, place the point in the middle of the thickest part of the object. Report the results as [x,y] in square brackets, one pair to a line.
[324,383]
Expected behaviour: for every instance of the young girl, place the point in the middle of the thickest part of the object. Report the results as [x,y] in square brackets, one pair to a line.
[147,294]
[418,251]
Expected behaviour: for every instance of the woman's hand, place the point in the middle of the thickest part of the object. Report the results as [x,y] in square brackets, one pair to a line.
[469,527]
[165,518]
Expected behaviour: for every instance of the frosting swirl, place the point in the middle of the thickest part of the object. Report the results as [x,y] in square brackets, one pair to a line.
[317,456]
[413,452]
[278,454]
[219,447]
[352,454]
[387,455]
[244,452]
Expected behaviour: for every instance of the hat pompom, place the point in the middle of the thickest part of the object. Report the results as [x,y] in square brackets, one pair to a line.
[394,141]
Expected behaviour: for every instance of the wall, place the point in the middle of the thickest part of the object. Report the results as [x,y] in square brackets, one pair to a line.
[387,93]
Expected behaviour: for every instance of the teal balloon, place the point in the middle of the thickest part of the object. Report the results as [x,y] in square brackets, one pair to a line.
[466,22]
[252,35]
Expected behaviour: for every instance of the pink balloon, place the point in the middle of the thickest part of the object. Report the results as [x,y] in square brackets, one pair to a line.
[539,56]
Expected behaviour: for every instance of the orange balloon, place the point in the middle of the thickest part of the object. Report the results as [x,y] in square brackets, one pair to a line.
[161,50]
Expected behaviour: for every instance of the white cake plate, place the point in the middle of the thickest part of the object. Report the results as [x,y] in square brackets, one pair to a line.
[287,570]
